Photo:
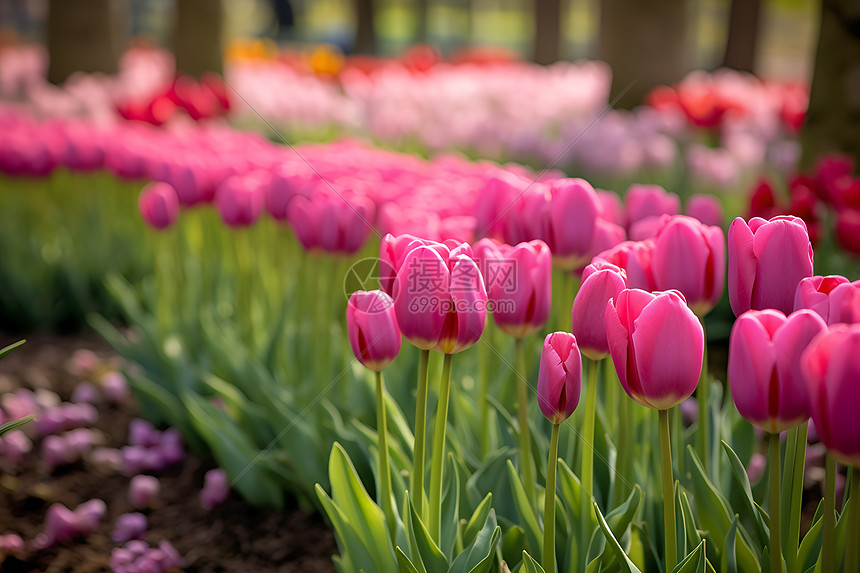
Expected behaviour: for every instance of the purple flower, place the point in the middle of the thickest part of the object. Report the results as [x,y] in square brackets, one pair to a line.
[144,491]
[129,526]
[216,488]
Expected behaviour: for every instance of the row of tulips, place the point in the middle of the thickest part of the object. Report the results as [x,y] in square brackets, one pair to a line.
[782,369]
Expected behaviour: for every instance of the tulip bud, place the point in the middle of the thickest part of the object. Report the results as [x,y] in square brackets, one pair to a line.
[159,205]
[764,367]
[144,491]
[690,257]
[635,258]
[560,377]
[216,489]
[519,284]
[573,212]
[644,201]
[657,345]
[240,200]
[767,260]
[440,303]
[600,282]
[831,367]
[373,331]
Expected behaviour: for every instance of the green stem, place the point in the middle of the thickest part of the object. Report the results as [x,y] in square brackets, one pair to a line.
[526,462]
[420,429]
[703,399]
[549,504]
[435,522]
[773,454]
[796,499]
[384,467]
[829,517]
[587,468]
[484,390]
[671,557]
[852,554]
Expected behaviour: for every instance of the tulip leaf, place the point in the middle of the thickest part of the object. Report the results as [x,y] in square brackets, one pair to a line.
[695,562]
[530,565]
[624,562]
[428,552]
[403,561]
[691,532]
[361,512]
[7,349]
[15,424]
[479,556]
[810,546]
[450,508]
[355,556]
[730,562]
[476,522]
[525,509]
[740,474]
[619,518]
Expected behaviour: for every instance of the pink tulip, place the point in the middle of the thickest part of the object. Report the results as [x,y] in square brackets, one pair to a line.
[831,366]
[240,200]
[601,282]
[573,212]
[159,205]
[392,251]
[706,208]
[373,332]
[644,201]
[690,257]
[332,223]
[816,293]
[657,345]
[635,257]
[440,299]
[764,367]
[767,260]
[216,488]
[612,208]
[519,283]
[560,377]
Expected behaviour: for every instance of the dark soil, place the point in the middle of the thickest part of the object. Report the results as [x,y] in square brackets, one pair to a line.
[231,537]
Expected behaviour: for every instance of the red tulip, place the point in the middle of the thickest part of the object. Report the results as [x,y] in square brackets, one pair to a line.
[657,345]
[159,205]
[440,299]
[373,331]
[764,366]
[560,377]
[690,257]
[767,260]
[601,282]
[831,366]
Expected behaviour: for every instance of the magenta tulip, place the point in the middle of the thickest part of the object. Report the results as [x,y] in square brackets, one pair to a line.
[635,257]
[216,488]
[706,208]
[332,223]
[519,283]
[767,260]
[573,212]
[159,205]
[560,377]
[645,201]
[392,251]
[831,366]
[612,208]
[690,257]
[834,298]
[240,200]
[601,282]
[657,346]
[373,332]
[440,301]
[764,367]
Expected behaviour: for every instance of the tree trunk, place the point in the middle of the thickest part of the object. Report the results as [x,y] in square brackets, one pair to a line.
[742,35]
[365,29]
[86,35]
[547,38]
[832,122]
[198,41]
[646,45]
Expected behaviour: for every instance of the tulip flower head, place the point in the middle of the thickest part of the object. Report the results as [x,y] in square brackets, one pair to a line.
[690,257]
[834,298]
[706,208]
[831,366]
[635,257]
[373,331]
[240,200]
[440,299]
[601,282]
[657,345]
[519,283]
[560,377]
[159,205]
[764,366]
[767,260]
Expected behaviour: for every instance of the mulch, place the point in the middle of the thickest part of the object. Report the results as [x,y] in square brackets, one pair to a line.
[232,537]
